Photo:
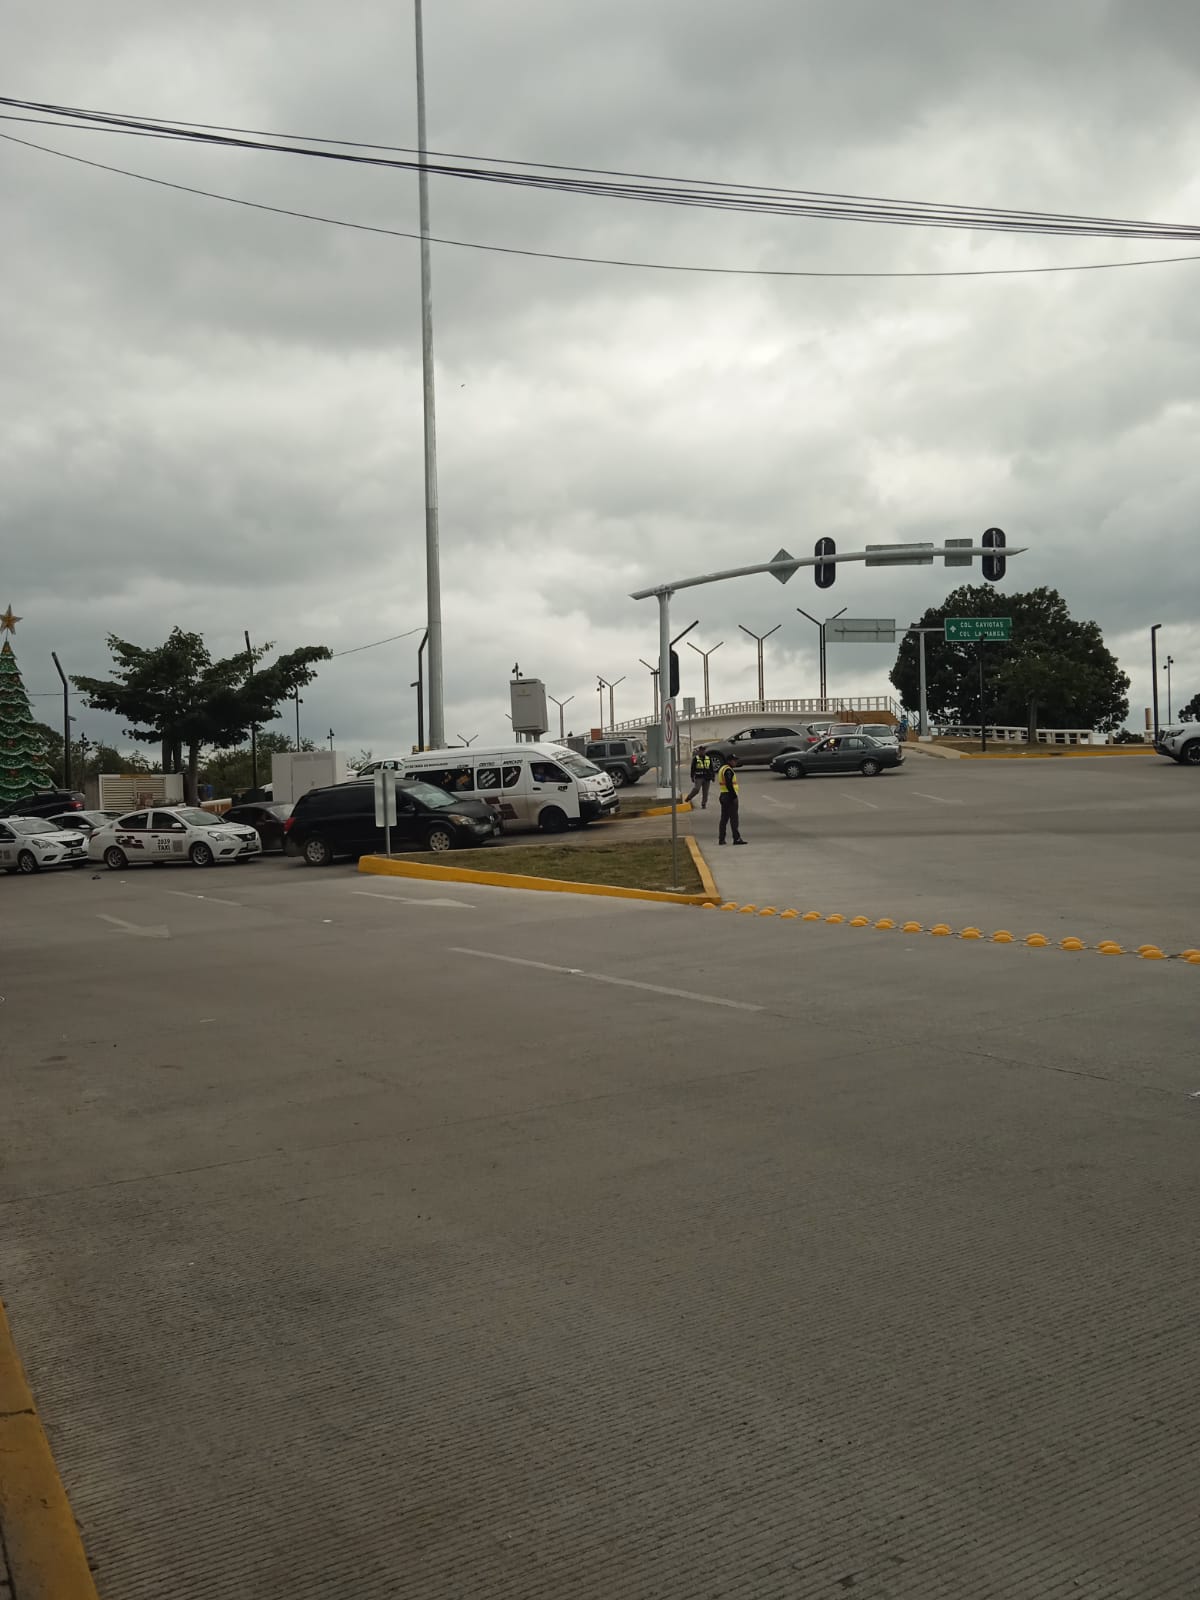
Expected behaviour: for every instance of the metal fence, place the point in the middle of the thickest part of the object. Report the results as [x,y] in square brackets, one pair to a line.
[831,705]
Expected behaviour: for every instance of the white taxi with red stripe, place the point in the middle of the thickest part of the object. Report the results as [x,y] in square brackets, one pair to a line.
[172,833]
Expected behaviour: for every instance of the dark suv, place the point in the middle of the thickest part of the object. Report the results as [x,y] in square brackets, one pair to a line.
[624,760]
[340,821]
[47,803]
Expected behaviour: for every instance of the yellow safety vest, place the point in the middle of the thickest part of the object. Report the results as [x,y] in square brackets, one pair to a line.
[722,787]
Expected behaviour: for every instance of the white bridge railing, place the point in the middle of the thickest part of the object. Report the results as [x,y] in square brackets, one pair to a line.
[1004,735]
[831,705]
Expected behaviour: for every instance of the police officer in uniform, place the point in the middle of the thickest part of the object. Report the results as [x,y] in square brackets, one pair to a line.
[703,768]
[727,791]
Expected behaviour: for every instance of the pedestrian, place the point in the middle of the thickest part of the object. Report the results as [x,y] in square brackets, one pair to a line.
[903,729]
[703,769]
[727,792]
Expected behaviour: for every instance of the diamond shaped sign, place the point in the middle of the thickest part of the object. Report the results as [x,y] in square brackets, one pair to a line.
[784,573]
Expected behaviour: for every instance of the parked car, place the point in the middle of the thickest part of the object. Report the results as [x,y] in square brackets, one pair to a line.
[548,786]
[1181,743]
[27,844]
[172,833]
[853,752]
[45,803]
[885,732]
[757,747]
[340,821]
[625,760]
[266,818]
[84,822]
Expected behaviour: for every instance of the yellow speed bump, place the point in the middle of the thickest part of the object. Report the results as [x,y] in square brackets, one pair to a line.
[835,917]
[911,927]
[860,922]
[811,916]
[885,922]
[941,930]
[730,905]
[709,905]
[1037,941]
[1071,943]
[1109,947]
[1002,936]
[1192,957]
[970,933]
[1186,955]
[790,912]
[768,911]
[745,909]
[1151,952]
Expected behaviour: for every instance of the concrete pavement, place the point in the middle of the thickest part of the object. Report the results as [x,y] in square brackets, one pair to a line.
[366,1239]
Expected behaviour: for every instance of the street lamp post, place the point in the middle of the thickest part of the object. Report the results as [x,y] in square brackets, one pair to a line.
[467,743]
[419,686]
[1167,665]
[66,720]
[653,670]
[601,685]
[1154,673]
[612,715]
[705,655]
[822,657]
[759,638]
[299,703]
[330,745]
[253,726]
[433,568]
[562,705]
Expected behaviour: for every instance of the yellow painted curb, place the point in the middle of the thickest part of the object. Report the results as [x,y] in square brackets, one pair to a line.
[37,1526]
[664,811]
[381,866]
[1103,752]
[707,881]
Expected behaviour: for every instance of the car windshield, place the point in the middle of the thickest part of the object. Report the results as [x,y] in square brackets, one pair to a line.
[195,818]
[429,795]
[579,765]
[34,825]
[282,811]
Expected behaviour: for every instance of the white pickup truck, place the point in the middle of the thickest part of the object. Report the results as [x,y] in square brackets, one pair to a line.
[1181,743]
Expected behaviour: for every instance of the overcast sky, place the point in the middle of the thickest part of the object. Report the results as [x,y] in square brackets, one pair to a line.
[213,415]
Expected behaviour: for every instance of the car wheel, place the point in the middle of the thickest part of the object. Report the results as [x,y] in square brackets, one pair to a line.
[619,780]
[200,856]
[115,858]
[28,862]
[870,769]
[439,840]
[316,852]
[552,820]
[793,769]
[1190,754]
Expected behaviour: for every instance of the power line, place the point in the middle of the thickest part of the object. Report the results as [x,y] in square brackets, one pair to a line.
[596,261]
[391,639]
[653,189]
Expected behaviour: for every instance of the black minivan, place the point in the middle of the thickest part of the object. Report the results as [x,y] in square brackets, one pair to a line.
[340,821]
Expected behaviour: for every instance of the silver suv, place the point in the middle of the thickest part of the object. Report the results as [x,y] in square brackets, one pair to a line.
[757,746]
[1181,743]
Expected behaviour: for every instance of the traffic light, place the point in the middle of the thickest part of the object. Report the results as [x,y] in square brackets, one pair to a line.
[825,571]
[994,566]
[674,674]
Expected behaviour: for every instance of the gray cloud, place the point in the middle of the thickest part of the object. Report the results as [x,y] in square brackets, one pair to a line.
[215,413]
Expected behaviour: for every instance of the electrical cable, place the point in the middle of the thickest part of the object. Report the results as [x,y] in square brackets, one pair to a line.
[598,261]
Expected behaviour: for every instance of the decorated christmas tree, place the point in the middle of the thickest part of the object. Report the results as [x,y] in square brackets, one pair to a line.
[23,768]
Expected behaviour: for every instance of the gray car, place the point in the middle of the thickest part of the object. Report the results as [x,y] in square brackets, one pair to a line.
[840,753]
[758,747]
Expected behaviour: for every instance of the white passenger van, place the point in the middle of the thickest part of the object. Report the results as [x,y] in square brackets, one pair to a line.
[542,786]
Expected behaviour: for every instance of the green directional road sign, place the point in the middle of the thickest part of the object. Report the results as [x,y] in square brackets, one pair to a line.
[968,628]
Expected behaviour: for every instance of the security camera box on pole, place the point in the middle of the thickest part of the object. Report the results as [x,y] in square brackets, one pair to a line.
[528,698]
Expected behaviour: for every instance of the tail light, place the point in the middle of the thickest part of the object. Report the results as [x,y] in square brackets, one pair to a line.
[287,824]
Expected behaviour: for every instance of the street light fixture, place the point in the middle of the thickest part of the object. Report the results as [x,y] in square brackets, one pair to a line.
[299,703]
[1154,673]
[1167,665]
[562,705]
[705,654]
[822,628]
[759,638]
[467,743]
[653,670]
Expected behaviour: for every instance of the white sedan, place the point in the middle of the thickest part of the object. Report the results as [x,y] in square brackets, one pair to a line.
[27,844]
[175,833]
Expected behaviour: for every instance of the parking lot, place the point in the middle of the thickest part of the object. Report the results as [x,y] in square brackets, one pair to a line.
[373,1237]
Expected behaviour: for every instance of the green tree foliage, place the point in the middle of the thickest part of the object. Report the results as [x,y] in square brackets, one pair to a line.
[87,760]
[232,771]
[174,694]
[23,765]
[1055,673]
[1191,711]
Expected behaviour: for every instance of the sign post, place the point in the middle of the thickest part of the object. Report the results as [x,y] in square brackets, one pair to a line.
[385,804]
[671,746]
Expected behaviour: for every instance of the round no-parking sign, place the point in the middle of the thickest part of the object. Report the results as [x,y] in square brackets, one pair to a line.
[669,724]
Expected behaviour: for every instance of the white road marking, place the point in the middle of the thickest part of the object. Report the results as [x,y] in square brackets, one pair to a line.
[870,804]
[601,977]
[134,928]
[215,899]
[413,899]
[940,798]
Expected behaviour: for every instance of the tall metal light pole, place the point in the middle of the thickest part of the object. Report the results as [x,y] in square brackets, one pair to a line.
[1154,673]
[612,715]
[705,654]
[758,638]
[923,733]
[822,657]
[601,685]
[433,567]
[562,705]
[253,726]
[66,720]
[331,738]
[1167,665]
[299,703]
[419,686]
[653,670]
